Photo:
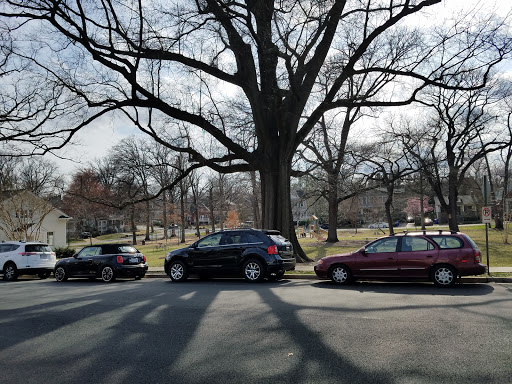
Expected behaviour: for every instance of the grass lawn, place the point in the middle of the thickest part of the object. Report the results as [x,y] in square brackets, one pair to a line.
[500,254]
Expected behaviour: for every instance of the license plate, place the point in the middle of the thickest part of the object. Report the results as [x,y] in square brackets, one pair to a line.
[43,257]
[134,260]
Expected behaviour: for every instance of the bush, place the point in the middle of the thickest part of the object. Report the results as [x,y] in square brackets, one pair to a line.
[62,252]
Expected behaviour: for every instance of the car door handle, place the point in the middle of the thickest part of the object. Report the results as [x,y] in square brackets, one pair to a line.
[430,256]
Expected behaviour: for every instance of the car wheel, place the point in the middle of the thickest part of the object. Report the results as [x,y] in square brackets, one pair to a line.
[340,274]
[10,272]
[178,271]
[60,274]
[44,275]
[254,271]
[444,276]
[108,274]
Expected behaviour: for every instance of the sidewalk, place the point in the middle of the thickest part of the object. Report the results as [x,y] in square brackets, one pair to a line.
[305,271]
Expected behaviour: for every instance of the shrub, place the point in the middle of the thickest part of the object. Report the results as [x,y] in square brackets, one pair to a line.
[62,252]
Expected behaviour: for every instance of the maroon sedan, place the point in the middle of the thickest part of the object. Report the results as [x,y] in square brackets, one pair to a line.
[437,256]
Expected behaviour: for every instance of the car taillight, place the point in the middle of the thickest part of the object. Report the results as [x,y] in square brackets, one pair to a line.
[120,259]
[272,250]
[28,253]
[477,255]
[144,258]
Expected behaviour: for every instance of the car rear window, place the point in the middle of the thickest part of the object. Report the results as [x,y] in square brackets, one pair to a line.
[37,248]
[448,242]
[127,249]
[278,239]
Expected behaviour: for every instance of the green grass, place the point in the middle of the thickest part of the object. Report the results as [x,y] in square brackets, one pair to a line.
[500,254]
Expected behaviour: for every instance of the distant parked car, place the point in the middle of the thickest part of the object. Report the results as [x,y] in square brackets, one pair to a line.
[250,253]
[85,235]
[437,256]
[378,225]
[107,261]
[428,221]
[26,258]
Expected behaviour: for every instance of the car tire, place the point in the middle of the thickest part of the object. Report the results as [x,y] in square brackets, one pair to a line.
[340,274]
[44,275]
[253,271]
[108,274]
[60,274]
[178,271]
[444,276]
[10,272]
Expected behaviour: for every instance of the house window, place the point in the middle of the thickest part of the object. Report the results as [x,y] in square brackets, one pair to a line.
[49,238]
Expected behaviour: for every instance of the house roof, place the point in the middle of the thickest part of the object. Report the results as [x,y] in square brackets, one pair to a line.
[6,195]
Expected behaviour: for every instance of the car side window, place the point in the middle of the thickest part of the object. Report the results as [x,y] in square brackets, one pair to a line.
[448,242]
[383,246]
[228,239]
[89,251]
[249,238]
[210,241]
[412,244]
[5,248]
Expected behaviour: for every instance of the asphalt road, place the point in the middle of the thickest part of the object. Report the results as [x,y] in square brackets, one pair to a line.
[229,331]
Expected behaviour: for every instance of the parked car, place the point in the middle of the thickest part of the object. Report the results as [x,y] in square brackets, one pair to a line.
[107,261]
[436,256]
[428,221]
[251,253]
[26,258]
[378,225]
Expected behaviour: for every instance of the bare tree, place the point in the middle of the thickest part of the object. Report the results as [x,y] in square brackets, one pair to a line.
[446,147]
[269,53]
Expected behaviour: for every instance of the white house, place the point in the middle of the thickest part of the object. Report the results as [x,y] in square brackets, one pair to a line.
[27,217]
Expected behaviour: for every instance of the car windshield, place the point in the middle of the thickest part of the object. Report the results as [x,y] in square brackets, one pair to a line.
[37,248]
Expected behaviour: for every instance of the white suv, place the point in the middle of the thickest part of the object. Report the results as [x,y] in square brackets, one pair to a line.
[26,258]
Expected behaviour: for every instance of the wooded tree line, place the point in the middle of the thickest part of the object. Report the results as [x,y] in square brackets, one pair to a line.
[245,86]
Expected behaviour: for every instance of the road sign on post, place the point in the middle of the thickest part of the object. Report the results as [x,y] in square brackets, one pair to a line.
[486,215]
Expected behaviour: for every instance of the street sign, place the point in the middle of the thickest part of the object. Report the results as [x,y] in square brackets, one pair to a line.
[486,215]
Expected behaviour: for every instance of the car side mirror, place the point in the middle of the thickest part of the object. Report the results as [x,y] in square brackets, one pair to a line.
[75,255]
[363,252]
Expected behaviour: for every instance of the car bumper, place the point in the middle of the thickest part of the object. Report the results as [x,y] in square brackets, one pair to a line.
[281,266]
[476,269]
[321,272]
[132,270]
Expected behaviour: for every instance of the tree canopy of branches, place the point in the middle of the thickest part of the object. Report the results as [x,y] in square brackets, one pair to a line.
[176,69]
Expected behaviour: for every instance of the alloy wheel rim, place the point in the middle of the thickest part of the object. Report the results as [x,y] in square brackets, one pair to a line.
[252,271]
[177,271]
[340,275]
[9,272]
[444,276]
[59,274]
[107,274]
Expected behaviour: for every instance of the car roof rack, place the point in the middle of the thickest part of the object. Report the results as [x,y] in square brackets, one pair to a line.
[424,232]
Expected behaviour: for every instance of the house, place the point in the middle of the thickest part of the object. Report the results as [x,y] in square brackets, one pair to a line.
[26,217]
[468,209]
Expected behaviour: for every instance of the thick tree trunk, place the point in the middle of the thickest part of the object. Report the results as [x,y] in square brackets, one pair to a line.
[387,205]
[255,202]
[453,194]
[212,210]
[276,204]
[164,217]
[148,219]
[332,234]
[132,223]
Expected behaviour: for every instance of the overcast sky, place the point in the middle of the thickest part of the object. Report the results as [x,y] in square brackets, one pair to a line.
[95,141]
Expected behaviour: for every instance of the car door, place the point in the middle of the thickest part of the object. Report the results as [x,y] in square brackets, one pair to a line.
[415,256]
[83,263]
[202,255]
[378,259]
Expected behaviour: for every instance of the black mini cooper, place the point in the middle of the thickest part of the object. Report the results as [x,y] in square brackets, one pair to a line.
[251,253]
[107,261]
